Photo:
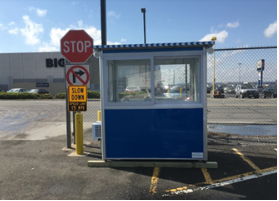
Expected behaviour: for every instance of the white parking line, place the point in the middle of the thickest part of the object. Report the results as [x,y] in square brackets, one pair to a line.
[224,183]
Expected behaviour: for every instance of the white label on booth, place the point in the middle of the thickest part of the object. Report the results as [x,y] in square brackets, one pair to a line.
[197,155]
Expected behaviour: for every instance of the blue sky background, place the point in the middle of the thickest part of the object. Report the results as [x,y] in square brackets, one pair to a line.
[38,25]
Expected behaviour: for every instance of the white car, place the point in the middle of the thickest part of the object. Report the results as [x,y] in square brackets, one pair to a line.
[132,89]
[246,90]
[18,90]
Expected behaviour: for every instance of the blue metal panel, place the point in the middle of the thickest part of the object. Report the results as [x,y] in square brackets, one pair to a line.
[153,133]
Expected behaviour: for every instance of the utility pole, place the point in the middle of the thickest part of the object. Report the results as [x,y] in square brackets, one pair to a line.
[103,22]
[143,10]
[239,72]
[213,84]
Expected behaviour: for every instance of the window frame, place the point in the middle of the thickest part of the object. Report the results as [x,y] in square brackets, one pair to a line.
[105,79]
[152,56]
[199,78]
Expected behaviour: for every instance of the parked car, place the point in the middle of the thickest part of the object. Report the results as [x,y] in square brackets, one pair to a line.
[180,85]
[259,88]
[246,90]
[229,90]
[17,90]
[165,86]
[270,91]
[2,90]
[175,93]
[39,91]
[208,88]
[219,88]
[132,89]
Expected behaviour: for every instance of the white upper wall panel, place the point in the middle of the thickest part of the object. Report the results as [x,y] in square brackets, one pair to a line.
[4,57]
[4,66]
[16,56]
[3,78]
[16,66]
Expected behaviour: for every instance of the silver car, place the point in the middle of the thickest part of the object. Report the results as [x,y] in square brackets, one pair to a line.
[18,90]
[246,90]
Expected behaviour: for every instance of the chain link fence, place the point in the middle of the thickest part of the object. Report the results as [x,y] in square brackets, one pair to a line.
[242,120]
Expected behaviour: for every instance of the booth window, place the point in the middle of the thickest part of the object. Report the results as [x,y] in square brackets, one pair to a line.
[177,80]
[129,81]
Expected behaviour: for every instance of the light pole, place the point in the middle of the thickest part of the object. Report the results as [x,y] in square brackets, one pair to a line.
[143,10]
[213,85]
[103,22]
[239,72]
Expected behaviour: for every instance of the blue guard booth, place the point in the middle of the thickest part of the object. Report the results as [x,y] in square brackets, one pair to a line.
[153,100]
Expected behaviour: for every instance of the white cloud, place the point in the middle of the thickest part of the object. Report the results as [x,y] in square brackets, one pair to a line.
[48,48]
[14,31]
[114,14]
[31,31]
[123,40]
[221,36]
[11,23]
[271,30]
[233,24]
[41,12]
[56,34]
[2,27]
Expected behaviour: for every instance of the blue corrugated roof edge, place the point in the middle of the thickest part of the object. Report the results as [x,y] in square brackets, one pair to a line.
[179,44]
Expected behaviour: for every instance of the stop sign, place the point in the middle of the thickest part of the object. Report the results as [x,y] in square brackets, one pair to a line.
[76,46]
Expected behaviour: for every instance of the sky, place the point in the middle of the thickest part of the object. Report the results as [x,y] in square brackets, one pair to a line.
[38,25]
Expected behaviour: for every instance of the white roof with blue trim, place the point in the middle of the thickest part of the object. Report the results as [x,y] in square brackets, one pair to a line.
[154,45]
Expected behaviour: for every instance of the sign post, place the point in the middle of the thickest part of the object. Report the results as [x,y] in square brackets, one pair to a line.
[260,69]
[76,47]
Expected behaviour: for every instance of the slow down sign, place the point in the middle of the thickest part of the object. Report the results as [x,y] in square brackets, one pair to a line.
[77,97]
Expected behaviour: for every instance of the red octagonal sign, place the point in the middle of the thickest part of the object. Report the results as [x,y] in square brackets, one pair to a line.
[76,46]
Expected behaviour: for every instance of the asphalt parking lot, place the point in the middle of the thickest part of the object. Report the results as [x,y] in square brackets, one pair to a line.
[36,165]
[44,170]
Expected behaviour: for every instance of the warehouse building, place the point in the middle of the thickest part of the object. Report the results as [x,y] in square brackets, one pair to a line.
[44,70]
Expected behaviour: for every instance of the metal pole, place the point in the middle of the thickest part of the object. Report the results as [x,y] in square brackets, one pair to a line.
[213,86]
[103,22]
[79,132]
[68,122]
[143,10]
[239,72]
[74,135]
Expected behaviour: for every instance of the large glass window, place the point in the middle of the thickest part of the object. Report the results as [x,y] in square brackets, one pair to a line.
[129,81]
[176,80]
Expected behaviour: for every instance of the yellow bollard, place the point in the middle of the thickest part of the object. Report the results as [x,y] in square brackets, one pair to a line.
[180,92]
[79,132]
[99,115]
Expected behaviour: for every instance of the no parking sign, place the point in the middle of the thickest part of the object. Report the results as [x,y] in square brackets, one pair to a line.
[77,75]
